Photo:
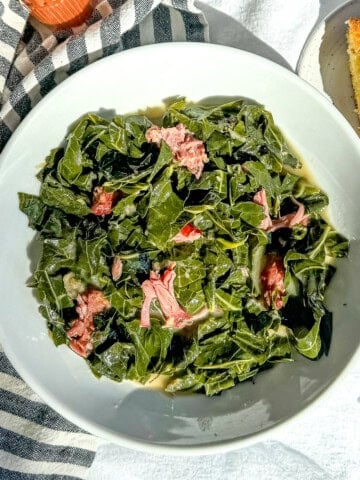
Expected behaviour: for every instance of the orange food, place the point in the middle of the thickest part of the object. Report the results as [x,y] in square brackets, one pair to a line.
[60,13]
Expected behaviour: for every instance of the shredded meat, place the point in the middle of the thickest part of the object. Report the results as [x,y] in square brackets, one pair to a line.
[272,280]
[260,199]
[103,202]
[89,304]
[150,295]
[285,221]
[188,150]
[116,268]
[161,288]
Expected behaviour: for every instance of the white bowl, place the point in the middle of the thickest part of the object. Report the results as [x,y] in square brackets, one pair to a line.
[125,413]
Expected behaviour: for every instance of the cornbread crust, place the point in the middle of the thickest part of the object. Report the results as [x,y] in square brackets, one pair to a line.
[353,41]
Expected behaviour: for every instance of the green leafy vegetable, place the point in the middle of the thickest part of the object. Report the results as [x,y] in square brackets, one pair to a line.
[252,280]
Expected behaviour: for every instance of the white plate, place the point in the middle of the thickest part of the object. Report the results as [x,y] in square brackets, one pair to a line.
[126,413]
[324,60]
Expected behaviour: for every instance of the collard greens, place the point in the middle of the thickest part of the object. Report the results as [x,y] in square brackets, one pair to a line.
[221,271]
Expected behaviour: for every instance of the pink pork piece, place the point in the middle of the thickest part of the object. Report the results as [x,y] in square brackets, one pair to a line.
[103,202]
[286,221]
[260,199]
[89,304]
[272,280]
[116,268]
[187,150]
[161,287]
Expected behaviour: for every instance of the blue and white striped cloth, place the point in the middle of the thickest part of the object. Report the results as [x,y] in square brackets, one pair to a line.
[36,442]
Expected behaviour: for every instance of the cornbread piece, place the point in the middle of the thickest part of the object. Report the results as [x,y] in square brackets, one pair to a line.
[353,40]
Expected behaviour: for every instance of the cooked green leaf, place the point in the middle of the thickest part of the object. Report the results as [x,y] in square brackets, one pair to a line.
[173,249]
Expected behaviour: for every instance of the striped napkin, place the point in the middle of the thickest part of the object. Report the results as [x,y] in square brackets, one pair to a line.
[36,442]
[33,59]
